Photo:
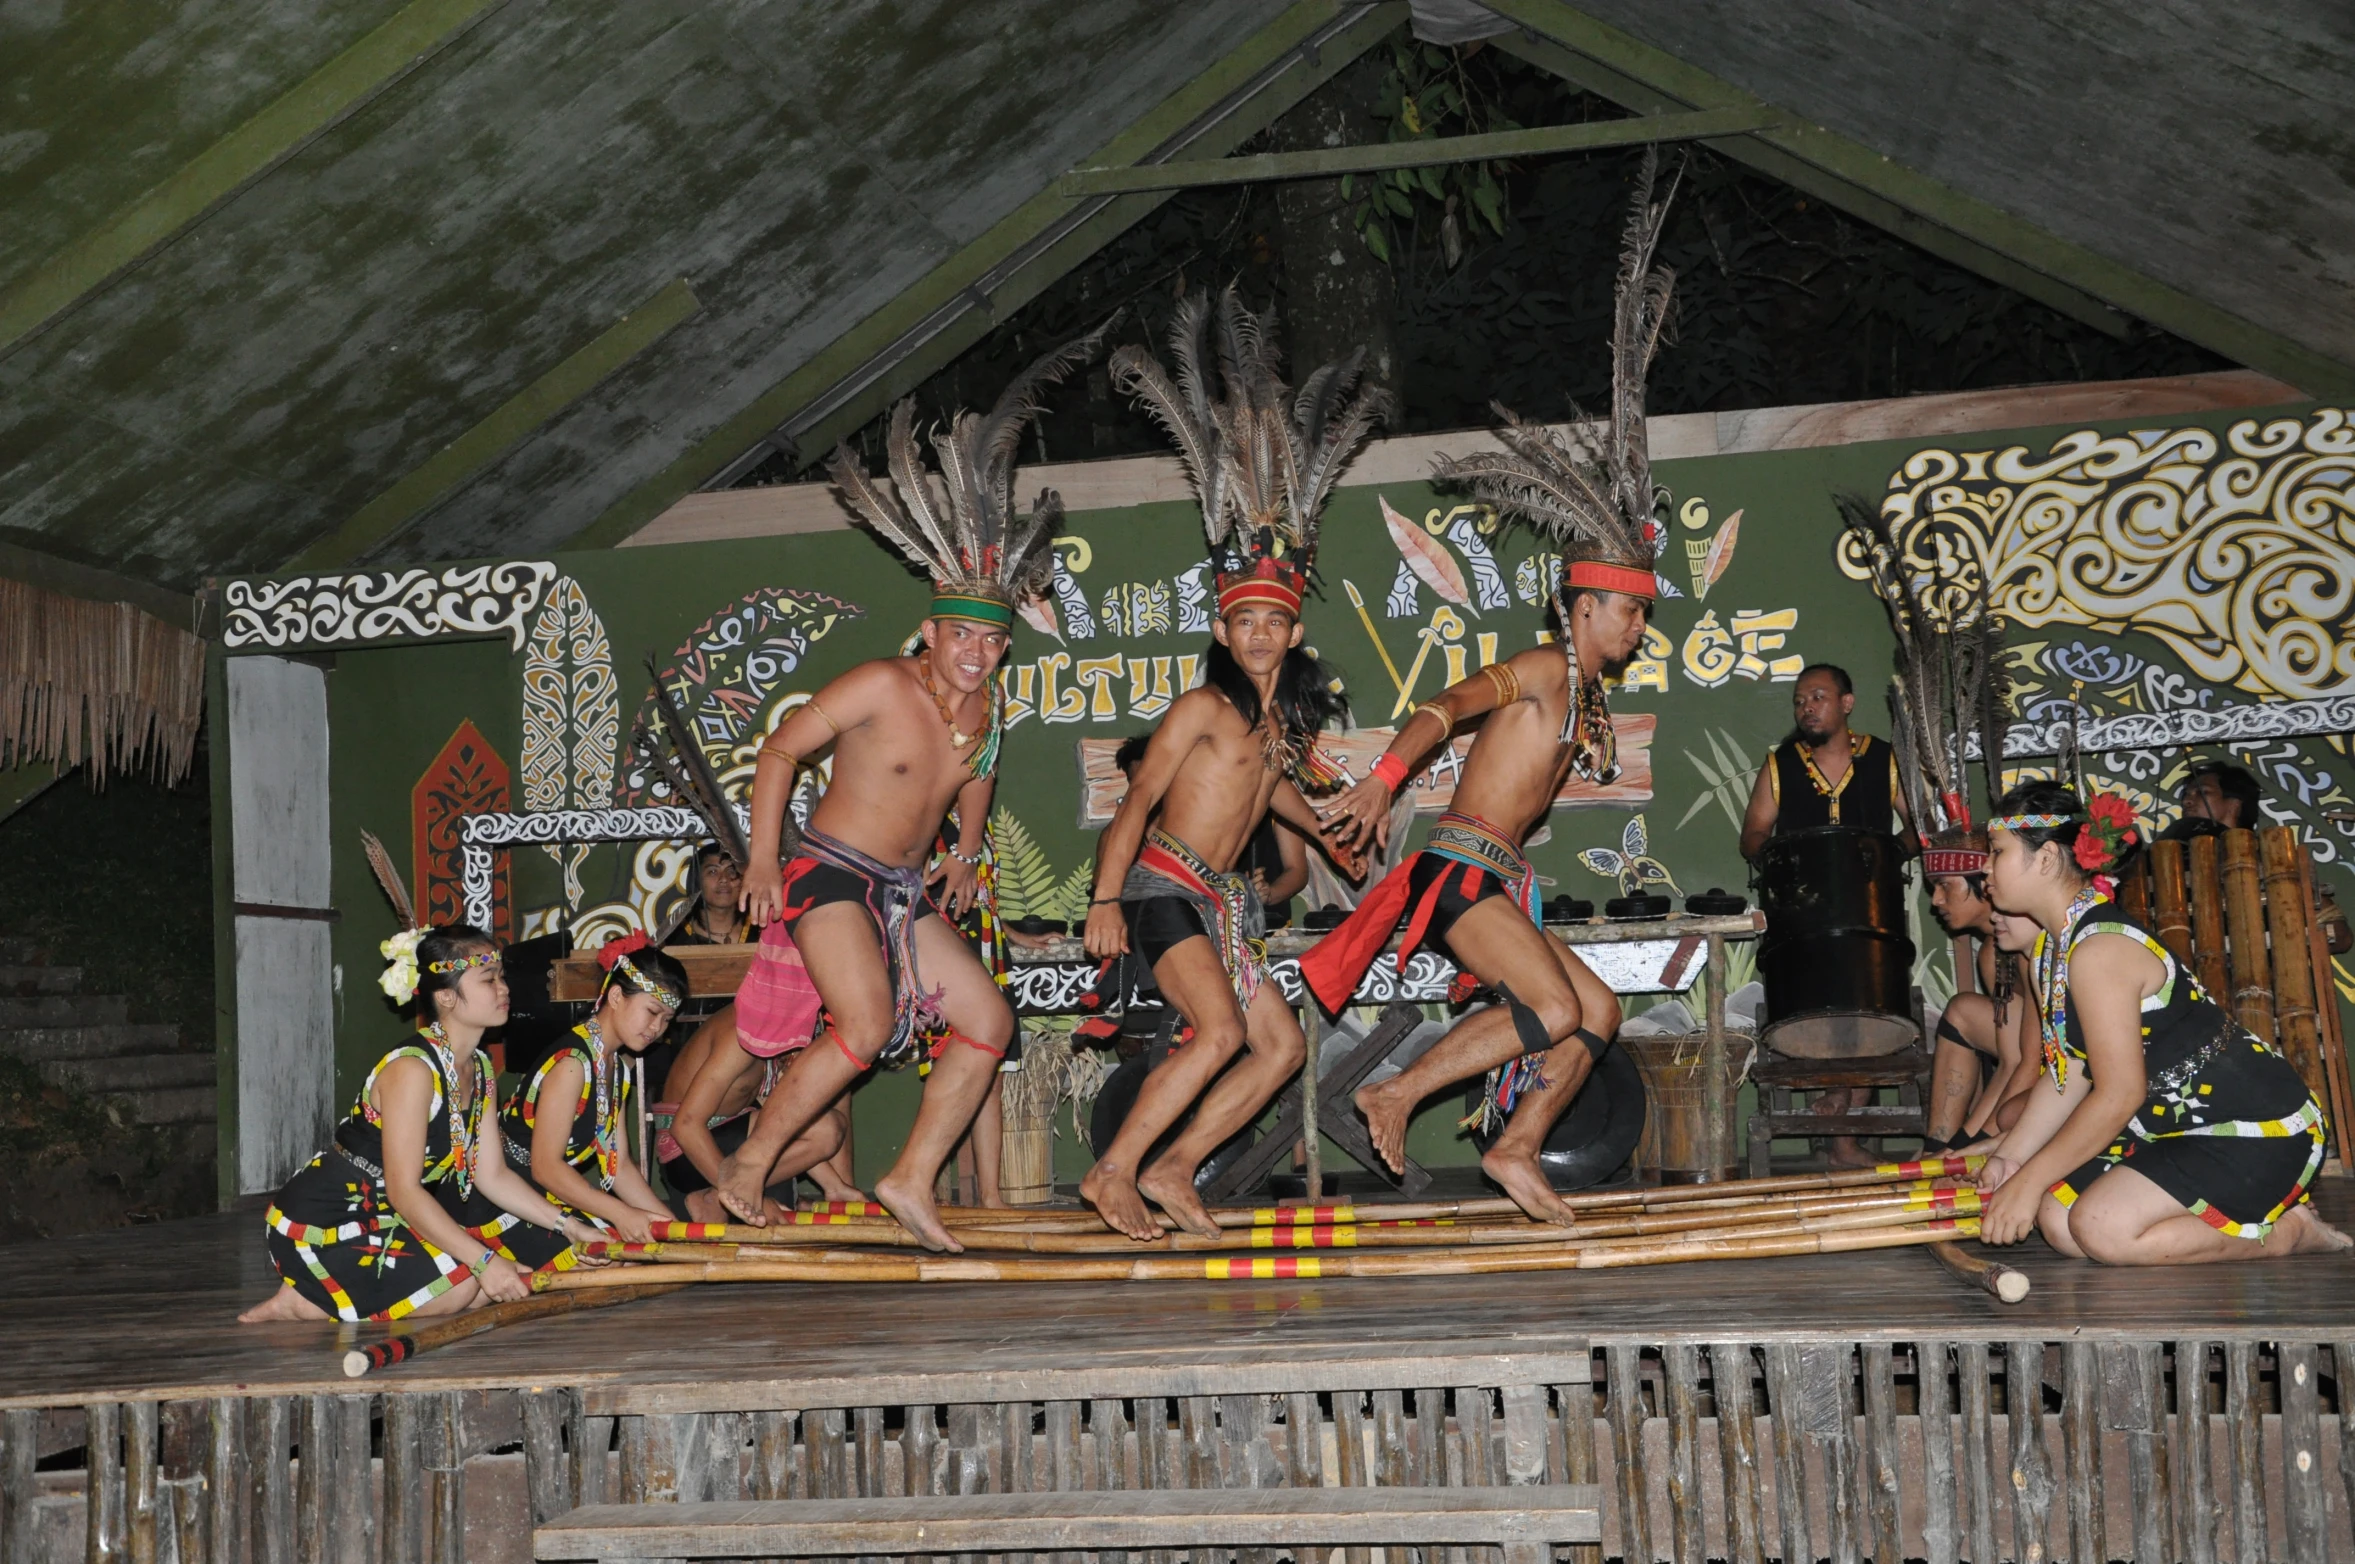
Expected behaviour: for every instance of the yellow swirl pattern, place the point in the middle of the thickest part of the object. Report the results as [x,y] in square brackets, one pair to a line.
[2239,554]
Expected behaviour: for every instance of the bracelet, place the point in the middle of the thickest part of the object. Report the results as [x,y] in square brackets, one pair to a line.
[1447,718]
[973,862]
[1105,901]
[1391,770]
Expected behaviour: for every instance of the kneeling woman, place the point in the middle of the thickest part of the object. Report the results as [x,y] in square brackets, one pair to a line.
[564,1129]
[364,1232]
[2162,1132]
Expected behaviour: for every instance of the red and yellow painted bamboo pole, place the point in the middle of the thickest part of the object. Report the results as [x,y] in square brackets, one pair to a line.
[1461,1262]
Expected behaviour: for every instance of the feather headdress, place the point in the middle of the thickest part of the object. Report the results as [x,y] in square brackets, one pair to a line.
[1949,686]
[1600,505]
[399,978]
[982,557]
[1263,458]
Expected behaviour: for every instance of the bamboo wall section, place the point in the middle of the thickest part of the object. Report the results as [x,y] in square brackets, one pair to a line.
[2141,1449]
[2238,910]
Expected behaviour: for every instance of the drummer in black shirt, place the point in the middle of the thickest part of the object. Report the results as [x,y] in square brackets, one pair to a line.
[1825,774]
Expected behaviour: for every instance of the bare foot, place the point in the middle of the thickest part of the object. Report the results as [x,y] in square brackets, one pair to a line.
[284,1304]
[740,1189]
[1113,1192]
[1387,1110]
[704,1206]
[1525,1182]
[913,1204]
[836,1189]
[1172,1189]
[1845,1152]
[2307,1233]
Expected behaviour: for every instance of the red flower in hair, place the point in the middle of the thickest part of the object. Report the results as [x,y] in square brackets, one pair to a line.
[619,946]
[2108,832]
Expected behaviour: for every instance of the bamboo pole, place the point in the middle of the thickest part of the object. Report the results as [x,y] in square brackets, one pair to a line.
[440,1331]
[971,1268]
[2286,906]
[2244,911]
[2005,1283]
[2331,1043]
[2204,885]
[2170,913]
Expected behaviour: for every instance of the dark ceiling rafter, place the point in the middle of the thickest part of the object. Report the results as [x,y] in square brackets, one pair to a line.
[1326,162]
[1602,59]
[898,347]
[318,103]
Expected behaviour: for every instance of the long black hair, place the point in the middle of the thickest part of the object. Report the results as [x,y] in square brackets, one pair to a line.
[1308,693]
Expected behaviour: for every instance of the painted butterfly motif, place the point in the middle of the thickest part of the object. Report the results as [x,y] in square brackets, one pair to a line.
[1633,866]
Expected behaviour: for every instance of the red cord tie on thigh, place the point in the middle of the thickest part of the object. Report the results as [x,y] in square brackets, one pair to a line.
[955,1036]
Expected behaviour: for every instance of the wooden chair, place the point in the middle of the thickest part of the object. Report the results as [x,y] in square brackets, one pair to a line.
[2238,909]
[1528,1523]
[1781,1079]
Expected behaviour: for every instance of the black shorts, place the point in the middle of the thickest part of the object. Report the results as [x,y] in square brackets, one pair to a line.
[811,882]
[1453,903]
[1159,924]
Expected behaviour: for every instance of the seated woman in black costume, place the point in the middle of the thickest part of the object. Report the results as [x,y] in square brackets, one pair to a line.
[2162,1132]
[563,1130]
[369,1230]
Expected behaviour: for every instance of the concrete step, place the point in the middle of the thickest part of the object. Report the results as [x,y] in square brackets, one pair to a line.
[28,980]
[130,1072]
[92,1042]
[50,1010]
[168,1105]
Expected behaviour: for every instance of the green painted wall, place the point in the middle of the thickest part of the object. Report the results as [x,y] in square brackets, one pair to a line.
[393,708]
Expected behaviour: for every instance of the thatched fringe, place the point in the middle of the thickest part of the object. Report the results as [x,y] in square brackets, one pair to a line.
[101,685]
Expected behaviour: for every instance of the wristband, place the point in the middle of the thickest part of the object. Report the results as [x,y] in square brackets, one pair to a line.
[973,862]
[484,1264]
[1105,901]
[1392,771]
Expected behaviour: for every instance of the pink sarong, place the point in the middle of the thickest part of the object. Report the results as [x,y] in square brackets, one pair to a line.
[777,1006]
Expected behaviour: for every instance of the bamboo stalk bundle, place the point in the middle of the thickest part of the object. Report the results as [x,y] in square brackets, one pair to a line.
[2244,913]
[101,685]
[1554,1240]
[1363,1235]
[1459,1262]
[440,1331]
[2329,1041]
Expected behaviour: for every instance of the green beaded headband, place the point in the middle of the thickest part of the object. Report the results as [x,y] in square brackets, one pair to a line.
[488,958]
[968,605]
[2030,822]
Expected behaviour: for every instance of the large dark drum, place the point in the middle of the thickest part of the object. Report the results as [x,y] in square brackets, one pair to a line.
[1835,959]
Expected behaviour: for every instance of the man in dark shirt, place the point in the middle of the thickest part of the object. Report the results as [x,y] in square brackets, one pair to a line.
[1824,773]
[2216,796]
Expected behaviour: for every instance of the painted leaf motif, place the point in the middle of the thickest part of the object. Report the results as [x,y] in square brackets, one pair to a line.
[1721,551]
[1428,558]
[1037,615]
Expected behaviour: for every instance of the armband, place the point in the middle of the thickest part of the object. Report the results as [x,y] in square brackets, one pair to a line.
[1504,681]
[1447,718]
[1392,771]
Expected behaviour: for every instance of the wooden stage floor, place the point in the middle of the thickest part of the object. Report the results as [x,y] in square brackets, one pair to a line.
[149,1313]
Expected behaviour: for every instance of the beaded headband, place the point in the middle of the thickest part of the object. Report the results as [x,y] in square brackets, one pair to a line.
[644,984]
[2030,822]
[485,958]
[1938,862]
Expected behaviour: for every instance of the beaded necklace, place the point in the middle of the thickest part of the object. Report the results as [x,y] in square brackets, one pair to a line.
[1586,717]
[601,1074]
[2052,985]
[984,760]
[461,1137]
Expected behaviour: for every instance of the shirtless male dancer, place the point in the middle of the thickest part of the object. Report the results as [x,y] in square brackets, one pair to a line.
[854,912]
[1470,888]
[1228,752]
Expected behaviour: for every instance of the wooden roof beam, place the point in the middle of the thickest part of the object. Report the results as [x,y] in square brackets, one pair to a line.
[413,35]
[1435,152]
[1996,244]
[895,349]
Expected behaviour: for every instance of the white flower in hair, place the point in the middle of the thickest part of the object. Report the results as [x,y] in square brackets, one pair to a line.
[399,981]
